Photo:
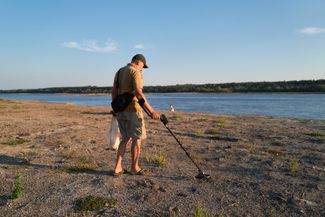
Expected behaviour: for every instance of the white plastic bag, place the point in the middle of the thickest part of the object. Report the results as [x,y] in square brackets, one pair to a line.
[113,134]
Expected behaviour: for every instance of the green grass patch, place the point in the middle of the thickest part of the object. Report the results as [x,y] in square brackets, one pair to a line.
[93,203]
[91,124]
[84,160]
[171,214]
[293,165]
[157,159]
[219,121]
[200,212]
[316,134]
[17,141]
[199,132]
[18,190]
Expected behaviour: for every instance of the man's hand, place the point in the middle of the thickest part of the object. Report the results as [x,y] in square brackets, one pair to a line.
[155,115]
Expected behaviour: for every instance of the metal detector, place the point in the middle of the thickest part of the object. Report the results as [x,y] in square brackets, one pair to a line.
[164,120]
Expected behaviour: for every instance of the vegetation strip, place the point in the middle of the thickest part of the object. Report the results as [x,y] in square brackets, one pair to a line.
[306,86]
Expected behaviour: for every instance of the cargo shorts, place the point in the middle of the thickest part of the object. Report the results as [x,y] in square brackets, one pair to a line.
[131,125]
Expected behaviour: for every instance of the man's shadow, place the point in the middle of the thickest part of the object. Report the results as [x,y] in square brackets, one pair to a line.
[9,160]
[18,161]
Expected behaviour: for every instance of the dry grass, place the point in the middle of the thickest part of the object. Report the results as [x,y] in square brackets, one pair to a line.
[70,155]
[211,131]
[79,169]
[276,152]
[157,159]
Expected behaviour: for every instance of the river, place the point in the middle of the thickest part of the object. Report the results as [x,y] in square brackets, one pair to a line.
[302,106]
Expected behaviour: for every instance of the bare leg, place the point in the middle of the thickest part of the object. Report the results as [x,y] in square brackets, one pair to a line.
[135,153]
[120,154]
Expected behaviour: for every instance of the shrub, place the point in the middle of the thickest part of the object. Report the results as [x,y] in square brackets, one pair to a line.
[17,141]
[199,132]
[219,121]
[18,190]
[316,134]
[199,211]
[293,165]
[92,203]
[84,160]
[158,159]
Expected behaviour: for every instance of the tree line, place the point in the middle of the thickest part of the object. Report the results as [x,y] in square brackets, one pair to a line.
[306,86]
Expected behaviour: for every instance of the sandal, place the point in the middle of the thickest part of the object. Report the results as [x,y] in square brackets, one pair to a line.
[120,173]
[141,172]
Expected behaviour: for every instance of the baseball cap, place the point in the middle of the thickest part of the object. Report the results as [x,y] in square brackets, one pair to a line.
[140,57]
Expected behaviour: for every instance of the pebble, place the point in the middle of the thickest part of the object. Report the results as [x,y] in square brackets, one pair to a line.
[3,201]
[161,189]
[181,194]
[151,198]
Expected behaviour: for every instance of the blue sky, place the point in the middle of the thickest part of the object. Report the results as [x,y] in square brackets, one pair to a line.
[79,42]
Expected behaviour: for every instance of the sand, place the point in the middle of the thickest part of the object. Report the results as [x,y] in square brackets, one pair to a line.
[259,166]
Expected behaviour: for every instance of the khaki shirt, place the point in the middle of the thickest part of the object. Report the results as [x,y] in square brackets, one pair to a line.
[129,79]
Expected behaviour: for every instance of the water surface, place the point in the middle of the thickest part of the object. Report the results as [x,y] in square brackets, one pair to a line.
[303,106]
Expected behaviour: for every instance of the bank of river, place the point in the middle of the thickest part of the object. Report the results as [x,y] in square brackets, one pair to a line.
[259,166]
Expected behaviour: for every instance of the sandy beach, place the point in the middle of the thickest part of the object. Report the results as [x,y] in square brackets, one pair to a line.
[259,166]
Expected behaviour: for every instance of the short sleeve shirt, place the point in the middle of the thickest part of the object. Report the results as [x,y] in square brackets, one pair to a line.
[129,79]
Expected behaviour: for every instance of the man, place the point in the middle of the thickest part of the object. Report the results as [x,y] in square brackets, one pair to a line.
[131,121]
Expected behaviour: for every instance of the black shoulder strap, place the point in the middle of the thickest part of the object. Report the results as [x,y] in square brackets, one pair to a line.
[118,74]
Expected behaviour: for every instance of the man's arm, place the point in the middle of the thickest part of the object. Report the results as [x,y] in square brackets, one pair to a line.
[140,95]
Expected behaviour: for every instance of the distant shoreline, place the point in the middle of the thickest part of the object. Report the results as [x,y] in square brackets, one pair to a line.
[303,86]
[109,94]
